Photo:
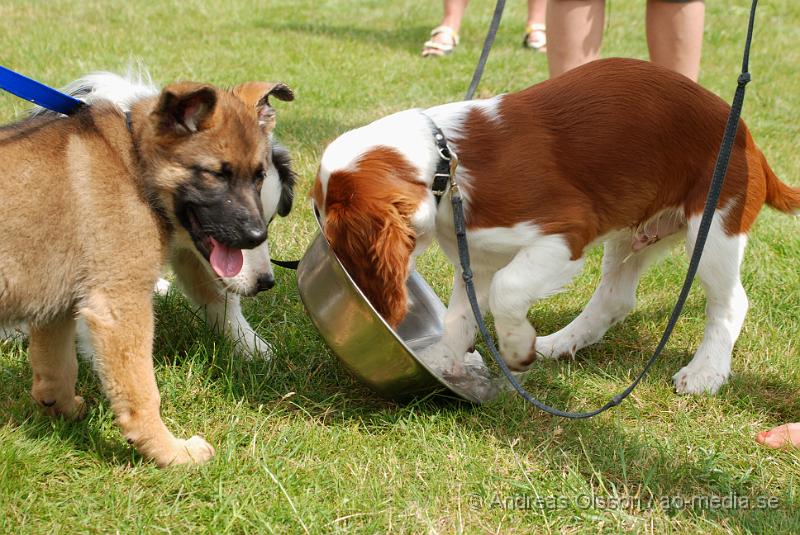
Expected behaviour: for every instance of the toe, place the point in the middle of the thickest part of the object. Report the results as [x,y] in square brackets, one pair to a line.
[787,435]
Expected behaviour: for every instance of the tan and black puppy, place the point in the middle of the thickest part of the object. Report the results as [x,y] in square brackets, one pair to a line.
[215,288]
[91,207]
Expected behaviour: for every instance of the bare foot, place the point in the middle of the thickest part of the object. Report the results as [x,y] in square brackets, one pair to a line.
[786,435]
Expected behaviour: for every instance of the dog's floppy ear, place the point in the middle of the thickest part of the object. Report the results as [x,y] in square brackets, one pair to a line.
[283,163]
[185,108]
[374,242]
[256,94]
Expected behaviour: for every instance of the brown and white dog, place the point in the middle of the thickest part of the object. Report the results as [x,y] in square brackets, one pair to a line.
[617,151]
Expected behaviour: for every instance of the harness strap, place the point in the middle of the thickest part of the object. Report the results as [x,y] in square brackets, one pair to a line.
[441,178]
[288,264]
[129,121]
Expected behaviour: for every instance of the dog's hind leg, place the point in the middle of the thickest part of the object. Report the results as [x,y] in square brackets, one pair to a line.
[122,335]
[726,307]
[535,272]
[51,350]
[613,299]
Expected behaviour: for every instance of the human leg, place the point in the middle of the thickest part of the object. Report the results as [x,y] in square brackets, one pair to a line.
[575,32]
[535,36]
[675,34]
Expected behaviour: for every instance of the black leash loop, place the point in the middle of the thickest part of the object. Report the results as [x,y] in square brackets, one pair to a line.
[288,264]
[487,46]
[715,189]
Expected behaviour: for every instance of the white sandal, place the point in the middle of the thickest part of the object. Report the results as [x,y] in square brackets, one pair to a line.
[535,37]
[437,48]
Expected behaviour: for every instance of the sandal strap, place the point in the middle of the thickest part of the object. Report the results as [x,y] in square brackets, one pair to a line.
[447,32]
[444,47]
[535,36]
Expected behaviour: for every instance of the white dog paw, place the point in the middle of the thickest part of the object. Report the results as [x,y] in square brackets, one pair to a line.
[162,287]
[442,359]
[703,379]
[556,345]
[192,451]
[250,346]
[517,345]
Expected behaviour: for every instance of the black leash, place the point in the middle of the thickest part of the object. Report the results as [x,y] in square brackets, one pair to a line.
[705,223]
[487,46]
[288,264]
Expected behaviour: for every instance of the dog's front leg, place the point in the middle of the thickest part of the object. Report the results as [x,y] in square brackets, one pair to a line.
[122,335]
[460,327]
[226,315]
[222,309]
[535,272]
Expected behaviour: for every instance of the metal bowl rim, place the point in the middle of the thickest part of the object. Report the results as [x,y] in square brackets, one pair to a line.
[394,333]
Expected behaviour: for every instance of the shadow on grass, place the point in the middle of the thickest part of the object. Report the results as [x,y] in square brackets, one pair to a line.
[314,131]
[626,348]
[89,435]
[774,395]
[616,461]
[600,447]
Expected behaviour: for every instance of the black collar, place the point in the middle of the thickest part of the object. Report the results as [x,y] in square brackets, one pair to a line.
[129,121]
[444,167]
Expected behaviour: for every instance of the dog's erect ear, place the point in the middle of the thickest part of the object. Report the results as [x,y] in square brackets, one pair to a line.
[185,108]
[283,163]
[256,94]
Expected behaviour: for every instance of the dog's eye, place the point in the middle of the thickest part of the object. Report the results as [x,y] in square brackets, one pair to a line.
[225,171]
[258,176]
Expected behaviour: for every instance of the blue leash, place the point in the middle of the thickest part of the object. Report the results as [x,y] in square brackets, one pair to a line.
[715,189]
[38,93]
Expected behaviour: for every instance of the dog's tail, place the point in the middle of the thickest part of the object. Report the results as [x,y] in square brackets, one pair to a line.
[779,195]
[123,91]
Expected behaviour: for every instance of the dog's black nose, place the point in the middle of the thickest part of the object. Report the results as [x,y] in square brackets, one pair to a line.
[265,282]
[253,236]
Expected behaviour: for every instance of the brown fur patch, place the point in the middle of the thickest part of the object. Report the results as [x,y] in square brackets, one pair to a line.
[572,158]
[367,212]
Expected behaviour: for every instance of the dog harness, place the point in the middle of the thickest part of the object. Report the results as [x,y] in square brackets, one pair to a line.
[446,166]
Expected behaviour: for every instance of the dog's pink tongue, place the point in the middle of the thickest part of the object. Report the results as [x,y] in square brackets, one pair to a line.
[226,262]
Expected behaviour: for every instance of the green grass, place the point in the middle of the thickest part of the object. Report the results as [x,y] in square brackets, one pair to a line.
[301,446]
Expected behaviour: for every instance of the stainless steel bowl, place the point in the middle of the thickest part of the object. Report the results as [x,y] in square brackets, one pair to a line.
[385,360]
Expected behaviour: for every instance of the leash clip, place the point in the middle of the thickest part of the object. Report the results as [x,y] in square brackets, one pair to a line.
[453,168]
